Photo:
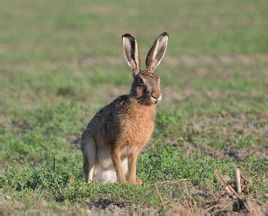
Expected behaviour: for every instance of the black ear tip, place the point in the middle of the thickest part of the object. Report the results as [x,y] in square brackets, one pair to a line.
[127,35]
[164,34]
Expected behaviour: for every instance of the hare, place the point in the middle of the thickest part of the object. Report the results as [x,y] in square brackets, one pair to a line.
[118,132]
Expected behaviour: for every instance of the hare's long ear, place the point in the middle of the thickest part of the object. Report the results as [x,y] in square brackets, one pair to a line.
[157,52]
[131,52]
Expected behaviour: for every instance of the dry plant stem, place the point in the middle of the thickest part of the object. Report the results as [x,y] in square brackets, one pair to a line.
[159,195]
[234,192]
[228,188]
[238,181]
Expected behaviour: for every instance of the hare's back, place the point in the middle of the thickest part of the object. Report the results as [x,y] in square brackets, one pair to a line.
[108,117]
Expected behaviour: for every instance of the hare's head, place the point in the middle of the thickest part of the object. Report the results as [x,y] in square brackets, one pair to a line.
[146,84]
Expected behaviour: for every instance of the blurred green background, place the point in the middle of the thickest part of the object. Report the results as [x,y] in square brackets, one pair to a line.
[61,61]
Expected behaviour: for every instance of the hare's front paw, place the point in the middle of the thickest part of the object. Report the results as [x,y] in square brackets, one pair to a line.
[138,181]
[135,182]
[122,181]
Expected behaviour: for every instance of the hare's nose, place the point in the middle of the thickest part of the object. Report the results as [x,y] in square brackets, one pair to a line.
[155,95]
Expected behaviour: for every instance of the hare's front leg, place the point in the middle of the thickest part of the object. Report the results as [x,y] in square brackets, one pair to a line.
[116,157]
[132,169]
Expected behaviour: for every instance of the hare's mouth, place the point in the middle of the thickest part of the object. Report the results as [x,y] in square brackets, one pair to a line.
[156,100]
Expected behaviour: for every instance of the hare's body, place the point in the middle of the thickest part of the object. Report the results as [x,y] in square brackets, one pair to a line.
[118,124]
[118,132]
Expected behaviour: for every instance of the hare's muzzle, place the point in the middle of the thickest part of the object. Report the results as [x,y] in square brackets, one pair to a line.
[155,99]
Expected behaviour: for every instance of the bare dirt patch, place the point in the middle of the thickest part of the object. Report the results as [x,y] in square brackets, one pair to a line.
[183,198]
[205,202]
[22,124]
[203,131]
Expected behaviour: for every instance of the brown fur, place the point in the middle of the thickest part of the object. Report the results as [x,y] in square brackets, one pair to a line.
[121,129]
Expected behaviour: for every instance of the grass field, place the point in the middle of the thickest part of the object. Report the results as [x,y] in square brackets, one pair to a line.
[61,61]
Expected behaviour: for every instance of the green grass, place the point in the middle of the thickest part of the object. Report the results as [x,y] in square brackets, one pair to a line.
[62,61]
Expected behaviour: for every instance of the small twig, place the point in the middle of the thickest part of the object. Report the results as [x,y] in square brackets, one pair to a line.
[159,195]
[238,181]
[230,190]
[227,187]
[234,192]
[222,181]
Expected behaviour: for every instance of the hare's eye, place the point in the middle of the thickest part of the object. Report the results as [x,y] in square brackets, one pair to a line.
[140,81]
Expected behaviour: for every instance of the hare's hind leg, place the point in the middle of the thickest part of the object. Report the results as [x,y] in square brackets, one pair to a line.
[89,156]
